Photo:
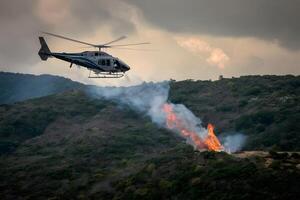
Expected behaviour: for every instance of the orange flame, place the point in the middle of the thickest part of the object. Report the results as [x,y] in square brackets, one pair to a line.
[210,142]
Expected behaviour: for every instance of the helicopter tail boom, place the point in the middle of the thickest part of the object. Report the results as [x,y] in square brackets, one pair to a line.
[44,52]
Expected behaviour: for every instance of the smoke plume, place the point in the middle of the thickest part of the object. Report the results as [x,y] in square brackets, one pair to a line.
[146,98]
[151,99]
[233,143]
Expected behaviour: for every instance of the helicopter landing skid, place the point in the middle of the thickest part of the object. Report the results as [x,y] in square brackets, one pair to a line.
[106,75]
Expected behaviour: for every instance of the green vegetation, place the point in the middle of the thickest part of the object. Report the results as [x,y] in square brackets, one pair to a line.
[71,146]
[266,108]
[23,121]
[208,175]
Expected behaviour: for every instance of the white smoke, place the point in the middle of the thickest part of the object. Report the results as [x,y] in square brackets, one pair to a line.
[234,143]
[149,99]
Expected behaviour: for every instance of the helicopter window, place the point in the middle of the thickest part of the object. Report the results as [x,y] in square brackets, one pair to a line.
[116,63]
[108,62]
[96,54]
[102,62]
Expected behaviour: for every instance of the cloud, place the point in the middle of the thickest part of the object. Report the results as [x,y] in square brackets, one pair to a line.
[158,22]
[214,56]
[21,22]
[276,21]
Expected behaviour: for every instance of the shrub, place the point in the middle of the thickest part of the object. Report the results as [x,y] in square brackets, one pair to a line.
[253,91]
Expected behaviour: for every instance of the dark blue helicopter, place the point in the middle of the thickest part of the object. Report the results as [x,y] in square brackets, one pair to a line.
[101,63]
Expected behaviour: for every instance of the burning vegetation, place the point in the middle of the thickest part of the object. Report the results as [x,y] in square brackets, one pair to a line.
[153,99]
[208,141]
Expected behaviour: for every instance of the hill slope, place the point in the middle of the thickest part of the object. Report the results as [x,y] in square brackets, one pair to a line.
[19,87]
[70,146]
[265,108]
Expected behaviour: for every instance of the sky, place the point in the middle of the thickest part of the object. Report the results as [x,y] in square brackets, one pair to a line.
[191,39]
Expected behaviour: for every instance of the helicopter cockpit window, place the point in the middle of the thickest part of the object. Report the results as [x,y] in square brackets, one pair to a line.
[116,63]
[108,62]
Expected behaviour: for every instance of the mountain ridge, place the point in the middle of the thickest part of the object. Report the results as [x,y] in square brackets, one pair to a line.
[15,87]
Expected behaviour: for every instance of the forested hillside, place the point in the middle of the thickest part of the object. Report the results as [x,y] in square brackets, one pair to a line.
[265,108]
[70,145]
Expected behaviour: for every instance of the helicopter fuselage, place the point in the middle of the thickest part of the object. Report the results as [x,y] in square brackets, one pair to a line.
[97,61]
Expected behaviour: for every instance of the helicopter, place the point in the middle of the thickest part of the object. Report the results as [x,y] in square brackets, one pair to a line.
[102,64]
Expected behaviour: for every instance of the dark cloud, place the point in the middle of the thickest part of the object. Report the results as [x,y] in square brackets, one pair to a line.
[17,25]
[87,17]
[275,20]
[21,21]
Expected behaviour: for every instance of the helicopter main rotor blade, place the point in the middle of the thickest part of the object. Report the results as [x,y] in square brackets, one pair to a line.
[116,40]
[106,45]
[70,39]
[123,45]
[135,49]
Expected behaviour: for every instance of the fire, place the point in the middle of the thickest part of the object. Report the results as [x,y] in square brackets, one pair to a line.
[210,142]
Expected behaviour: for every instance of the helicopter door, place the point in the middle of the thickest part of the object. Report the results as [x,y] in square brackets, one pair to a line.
[102,62]
[108,62]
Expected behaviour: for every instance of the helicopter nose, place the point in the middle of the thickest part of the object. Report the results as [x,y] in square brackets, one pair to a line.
[126,67]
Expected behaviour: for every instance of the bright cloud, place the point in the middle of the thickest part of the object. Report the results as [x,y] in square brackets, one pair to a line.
[214,56]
